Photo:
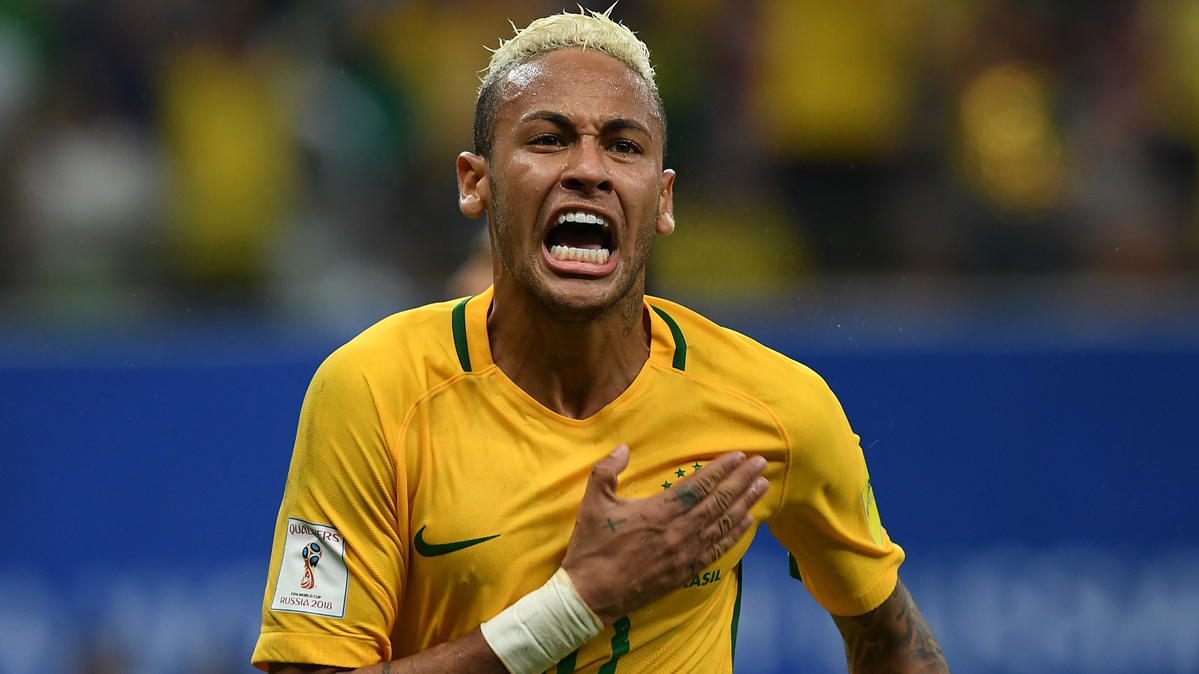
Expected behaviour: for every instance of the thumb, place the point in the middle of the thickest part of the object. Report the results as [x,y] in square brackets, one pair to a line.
[605,471]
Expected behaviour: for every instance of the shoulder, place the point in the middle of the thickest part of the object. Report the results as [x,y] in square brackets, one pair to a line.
[733,360]
[397,359]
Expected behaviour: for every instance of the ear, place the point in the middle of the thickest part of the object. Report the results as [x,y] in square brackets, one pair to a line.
[666,204]
[474,187]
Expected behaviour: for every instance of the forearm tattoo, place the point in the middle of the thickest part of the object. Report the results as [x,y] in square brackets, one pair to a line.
[892,639]
[386,668]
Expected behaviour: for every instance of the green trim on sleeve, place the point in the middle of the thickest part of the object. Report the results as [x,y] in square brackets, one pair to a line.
[680,344]
[460,345]
[793,567]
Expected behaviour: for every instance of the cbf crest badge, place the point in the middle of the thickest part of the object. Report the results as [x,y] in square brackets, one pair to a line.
[312,576]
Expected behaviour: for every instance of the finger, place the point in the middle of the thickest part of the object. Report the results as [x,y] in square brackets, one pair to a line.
[741,480]
[726,523]
[717,548]
[604,473]
[690,491]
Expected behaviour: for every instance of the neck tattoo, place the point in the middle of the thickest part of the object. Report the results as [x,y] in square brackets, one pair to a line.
[630,311]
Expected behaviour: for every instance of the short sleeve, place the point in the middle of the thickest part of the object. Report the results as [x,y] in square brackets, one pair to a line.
[827,518]
[338,560]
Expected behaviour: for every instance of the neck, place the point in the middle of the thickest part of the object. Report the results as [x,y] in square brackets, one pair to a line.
[574,369]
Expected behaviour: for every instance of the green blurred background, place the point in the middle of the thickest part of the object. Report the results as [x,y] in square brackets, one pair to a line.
[295,158]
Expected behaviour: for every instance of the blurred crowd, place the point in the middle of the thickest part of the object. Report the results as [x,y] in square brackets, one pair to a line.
[298,155]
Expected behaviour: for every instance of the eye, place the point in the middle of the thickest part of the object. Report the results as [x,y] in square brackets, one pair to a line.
[625,146]
[546,140]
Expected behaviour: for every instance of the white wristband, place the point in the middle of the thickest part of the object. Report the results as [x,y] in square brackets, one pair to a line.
[541,628]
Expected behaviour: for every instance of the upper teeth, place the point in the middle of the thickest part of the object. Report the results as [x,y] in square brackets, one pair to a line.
[587,218]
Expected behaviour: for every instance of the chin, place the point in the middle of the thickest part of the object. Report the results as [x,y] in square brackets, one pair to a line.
[575,308]
[579,300]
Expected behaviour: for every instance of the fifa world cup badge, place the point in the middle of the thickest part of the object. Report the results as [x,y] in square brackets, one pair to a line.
[311,554]
[312,574]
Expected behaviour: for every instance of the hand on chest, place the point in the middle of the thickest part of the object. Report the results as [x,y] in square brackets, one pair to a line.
[496,496]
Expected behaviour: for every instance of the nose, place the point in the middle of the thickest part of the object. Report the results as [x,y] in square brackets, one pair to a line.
[587,171]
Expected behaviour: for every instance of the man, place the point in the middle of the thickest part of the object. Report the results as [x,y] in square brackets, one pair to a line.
[454,472]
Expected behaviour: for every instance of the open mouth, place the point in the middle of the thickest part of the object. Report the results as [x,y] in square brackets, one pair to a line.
[580,237]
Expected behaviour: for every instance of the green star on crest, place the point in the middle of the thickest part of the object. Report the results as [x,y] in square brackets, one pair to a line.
[680,472]
[697,466]
[666,485]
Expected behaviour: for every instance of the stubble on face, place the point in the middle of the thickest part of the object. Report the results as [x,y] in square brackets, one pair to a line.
[628,290]
[521,259]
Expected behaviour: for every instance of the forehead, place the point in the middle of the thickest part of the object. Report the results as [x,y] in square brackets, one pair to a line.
[581,84]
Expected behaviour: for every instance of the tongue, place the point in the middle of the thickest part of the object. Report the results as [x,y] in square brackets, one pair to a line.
[575,236]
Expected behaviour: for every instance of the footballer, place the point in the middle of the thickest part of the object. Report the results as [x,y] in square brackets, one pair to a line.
[561,474]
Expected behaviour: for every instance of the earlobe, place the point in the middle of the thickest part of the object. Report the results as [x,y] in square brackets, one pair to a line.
[665,224]
[474,188]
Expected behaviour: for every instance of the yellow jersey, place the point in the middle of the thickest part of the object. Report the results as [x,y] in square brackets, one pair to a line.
[428,492]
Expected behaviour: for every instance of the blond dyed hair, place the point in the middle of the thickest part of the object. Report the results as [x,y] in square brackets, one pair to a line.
[566,30]
[586,30]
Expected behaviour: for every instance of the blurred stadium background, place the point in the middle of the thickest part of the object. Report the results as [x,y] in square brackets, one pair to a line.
[978,219]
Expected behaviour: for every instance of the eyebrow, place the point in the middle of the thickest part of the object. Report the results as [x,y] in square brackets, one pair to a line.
[617,124]
[621,123]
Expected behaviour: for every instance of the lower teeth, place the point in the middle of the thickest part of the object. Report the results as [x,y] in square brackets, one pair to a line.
[571,254]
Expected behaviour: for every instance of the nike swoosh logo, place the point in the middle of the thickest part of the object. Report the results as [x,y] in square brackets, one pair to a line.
[434,549]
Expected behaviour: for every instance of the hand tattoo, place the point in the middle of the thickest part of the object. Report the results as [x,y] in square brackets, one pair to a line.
[689,495]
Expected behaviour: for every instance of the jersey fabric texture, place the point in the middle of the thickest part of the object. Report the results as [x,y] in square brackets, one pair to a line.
[455,492]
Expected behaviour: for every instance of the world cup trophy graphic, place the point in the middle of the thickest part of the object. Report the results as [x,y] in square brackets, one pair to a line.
[311,554]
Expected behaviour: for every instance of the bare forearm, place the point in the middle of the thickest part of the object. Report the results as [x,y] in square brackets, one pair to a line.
[469,653]
[892,639]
